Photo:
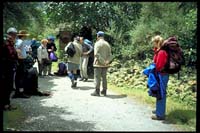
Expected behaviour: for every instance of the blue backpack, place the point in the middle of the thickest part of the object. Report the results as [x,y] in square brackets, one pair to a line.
[62,68]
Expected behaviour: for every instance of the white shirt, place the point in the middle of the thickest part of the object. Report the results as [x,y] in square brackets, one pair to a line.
[42,53]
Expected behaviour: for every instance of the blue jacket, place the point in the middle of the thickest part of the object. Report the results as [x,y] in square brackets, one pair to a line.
[154,82]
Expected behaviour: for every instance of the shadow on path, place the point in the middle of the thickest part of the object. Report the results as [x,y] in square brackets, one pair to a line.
[116,96]
[39,116]
[85,88]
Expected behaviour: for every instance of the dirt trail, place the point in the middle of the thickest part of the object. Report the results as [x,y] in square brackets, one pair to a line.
[76,110]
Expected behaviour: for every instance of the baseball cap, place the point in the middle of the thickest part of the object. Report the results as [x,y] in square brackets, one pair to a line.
[100,33]
[11,30]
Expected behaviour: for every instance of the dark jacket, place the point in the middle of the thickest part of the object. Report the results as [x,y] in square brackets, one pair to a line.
[49,46]
[8,54]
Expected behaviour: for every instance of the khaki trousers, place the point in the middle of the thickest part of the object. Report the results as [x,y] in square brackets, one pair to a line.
[83,66]
[100,72]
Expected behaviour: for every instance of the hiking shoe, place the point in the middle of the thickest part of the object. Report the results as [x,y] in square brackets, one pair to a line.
[103,92]
[95,93]
[155,117]
[74,84]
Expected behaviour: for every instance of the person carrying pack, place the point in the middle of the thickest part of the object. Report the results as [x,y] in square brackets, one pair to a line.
[74,62]
[34,46]
[160,59]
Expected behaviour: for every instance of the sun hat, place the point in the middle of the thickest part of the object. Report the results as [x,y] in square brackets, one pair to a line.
[23,33]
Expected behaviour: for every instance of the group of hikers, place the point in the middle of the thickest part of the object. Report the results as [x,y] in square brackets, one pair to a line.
[18,59]
[16,69]
[102,59]
[13,60]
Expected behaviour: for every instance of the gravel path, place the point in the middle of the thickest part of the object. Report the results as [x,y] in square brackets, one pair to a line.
[76,110]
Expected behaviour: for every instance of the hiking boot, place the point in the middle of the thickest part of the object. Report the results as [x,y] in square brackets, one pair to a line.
[95,93]
[103,92]
[74,84]
[155,117]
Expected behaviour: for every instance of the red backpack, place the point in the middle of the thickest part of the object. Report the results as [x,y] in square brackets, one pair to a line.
[175,56]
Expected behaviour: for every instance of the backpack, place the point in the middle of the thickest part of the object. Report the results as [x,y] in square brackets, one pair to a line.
[175,56]
[34,46]
[71,50]
[62,68]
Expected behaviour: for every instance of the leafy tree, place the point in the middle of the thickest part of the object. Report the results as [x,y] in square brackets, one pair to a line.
[166,19]
[97,14]
[23,15]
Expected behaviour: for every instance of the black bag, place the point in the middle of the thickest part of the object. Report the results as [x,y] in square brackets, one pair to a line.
[71,50]
[31,81]
[175,56]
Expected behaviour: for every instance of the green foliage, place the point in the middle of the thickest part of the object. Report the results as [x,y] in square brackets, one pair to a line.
[161,18]
[98,15]
[129,27]
[24,15]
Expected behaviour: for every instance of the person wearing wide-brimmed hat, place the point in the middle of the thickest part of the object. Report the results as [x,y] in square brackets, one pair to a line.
[20,74]
[20,45]
[8,66]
